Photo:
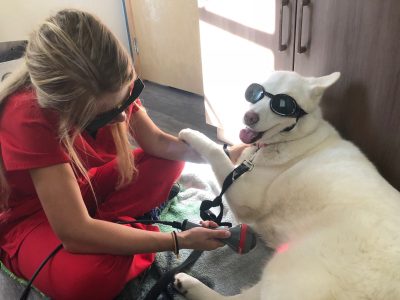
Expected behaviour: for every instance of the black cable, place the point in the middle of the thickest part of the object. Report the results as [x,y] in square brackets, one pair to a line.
[27,289]
[175,224]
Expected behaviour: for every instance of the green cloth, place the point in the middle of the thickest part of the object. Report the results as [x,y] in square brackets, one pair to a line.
[178,211]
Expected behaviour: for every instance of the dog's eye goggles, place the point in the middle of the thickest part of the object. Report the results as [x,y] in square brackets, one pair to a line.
[281,104]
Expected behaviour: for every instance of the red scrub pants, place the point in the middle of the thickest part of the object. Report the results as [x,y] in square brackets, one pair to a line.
[98,276]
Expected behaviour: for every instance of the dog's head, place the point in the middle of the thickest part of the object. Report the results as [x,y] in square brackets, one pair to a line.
[284,108]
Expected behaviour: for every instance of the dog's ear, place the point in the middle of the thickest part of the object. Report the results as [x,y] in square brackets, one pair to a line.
[320,84]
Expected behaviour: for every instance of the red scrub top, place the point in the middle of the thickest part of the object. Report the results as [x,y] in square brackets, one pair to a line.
[28,140]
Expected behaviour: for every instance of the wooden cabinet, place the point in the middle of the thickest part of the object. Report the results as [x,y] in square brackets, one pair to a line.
[359,38]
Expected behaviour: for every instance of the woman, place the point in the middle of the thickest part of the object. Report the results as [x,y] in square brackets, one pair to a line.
[68,171]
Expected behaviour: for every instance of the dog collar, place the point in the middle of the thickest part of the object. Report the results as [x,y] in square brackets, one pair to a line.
[260,145]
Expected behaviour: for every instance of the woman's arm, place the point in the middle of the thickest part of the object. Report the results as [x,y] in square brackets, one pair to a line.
[62,201]
[158,143]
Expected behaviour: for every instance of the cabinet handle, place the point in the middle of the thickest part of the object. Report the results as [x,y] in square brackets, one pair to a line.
[300,48]
[282,47]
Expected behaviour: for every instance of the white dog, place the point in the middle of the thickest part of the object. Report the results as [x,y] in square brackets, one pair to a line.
[314,197]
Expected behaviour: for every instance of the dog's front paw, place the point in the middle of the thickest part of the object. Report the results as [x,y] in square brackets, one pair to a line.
[189,135]
[189,286]
[200,142]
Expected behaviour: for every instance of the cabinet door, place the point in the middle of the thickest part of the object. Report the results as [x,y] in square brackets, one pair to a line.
[359,38]
[240,45]
[167,40]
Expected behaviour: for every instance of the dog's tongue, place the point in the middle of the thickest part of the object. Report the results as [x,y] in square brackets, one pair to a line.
[249,136]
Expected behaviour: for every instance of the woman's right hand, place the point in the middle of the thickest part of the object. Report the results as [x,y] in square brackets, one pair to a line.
[203,238]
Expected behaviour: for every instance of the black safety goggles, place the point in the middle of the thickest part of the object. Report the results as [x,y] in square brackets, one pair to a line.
[106,117]
[281,104]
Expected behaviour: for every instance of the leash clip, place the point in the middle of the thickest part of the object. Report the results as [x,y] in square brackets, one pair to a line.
[244,167]
[249,164]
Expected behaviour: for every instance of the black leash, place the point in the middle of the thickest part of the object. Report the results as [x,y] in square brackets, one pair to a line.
[162,284]
[205,212]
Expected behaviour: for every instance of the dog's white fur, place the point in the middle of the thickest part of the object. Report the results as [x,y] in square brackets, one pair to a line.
[316,193]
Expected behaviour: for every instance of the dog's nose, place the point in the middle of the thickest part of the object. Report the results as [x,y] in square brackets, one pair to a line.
[251,118]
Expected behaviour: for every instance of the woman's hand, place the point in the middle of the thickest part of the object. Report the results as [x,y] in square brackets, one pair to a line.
[235,151]
[203,238]
[158,143]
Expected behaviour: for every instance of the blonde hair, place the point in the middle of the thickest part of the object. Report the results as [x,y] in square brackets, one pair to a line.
[70,61]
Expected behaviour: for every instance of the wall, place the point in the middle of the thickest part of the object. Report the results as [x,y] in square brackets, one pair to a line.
[19,17]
